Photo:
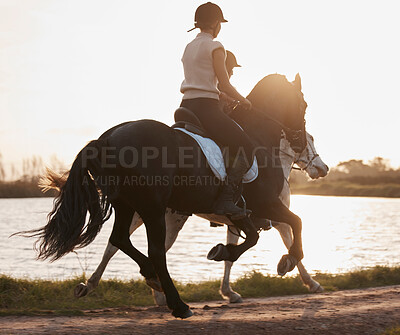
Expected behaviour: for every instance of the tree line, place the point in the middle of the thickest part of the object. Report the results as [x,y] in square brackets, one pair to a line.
[22,182]
[352,178]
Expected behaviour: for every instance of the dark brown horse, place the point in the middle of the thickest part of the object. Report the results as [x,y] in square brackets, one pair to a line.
[145,166]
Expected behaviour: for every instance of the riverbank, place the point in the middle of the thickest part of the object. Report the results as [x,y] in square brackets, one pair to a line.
[351,178]
[348,189]
[26,189]
[23,189]
[26,296]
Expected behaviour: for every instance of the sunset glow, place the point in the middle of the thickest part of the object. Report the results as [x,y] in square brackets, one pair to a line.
[71,70]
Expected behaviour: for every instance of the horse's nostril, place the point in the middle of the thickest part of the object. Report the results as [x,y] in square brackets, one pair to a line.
[322,170]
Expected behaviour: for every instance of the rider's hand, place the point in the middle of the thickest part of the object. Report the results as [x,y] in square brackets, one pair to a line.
[246,104]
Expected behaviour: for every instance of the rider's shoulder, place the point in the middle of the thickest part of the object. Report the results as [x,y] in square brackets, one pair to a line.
[214,45]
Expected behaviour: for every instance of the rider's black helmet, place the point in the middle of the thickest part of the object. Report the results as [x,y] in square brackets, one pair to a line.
[207,13]
[231,61]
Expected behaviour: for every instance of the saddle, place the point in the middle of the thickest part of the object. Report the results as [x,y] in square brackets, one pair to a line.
[186,119]
[188,122]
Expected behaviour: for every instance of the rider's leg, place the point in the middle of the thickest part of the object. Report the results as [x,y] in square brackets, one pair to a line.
[227,133]
[225,201]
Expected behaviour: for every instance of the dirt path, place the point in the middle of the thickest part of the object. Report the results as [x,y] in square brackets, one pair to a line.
[368,311]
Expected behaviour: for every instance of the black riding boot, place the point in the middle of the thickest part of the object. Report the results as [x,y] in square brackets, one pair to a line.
[224,205]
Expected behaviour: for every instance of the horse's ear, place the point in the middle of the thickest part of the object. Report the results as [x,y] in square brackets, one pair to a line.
[297,82]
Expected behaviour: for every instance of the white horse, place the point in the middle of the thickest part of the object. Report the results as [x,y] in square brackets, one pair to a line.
[308,161]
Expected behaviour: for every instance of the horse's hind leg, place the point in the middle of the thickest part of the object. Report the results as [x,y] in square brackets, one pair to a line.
[83,289]
[156,231]
[232,252]
[225,289]
[286,233]
[120,239]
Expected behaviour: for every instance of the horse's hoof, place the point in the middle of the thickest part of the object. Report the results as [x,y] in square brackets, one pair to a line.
[155,284]
[187,314]
[81,290]
[218,253]
[317,289]
[235,299]
[159,298]
[232,296]
[286,264]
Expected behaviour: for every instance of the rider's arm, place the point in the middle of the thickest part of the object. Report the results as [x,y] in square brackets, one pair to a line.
[223,79]
[226,98]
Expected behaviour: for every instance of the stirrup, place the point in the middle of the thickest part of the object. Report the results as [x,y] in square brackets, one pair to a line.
[240,216]
[246,212]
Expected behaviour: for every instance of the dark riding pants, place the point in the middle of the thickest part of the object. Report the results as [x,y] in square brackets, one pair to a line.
[221,127]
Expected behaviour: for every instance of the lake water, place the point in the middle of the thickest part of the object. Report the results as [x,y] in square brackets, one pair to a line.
[339,234]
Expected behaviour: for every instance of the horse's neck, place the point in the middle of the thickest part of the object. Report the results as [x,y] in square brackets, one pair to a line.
[287,158]
[262,132]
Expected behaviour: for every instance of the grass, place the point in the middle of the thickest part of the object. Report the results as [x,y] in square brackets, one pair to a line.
[26,296]
[392,331]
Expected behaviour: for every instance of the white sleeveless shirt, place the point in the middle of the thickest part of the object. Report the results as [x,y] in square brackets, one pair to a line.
[200,78]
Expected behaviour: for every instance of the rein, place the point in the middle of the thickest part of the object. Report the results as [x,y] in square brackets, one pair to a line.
[296,133]
[287,130]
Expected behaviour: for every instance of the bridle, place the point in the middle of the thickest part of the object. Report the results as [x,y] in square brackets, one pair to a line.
[296,161]
[295,135]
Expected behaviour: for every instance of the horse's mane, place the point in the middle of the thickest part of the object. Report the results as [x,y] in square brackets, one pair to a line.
[270,84]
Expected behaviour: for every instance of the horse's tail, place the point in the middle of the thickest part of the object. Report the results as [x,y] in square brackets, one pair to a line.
[52,181]
[66,228]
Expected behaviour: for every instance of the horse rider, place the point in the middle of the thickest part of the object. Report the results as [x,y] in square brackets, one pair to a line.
[205,75]
[226,103]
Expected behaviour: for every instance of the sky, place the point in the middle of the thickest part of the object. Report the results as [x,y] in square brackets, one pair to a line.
[69,70]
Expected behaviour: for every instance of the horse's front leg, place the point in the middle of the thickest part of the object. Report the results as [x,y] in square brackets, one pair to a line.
[286,233]
[174,223]
[312,284]
[83,289]
[277,211]
[156,233]
[225,289]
